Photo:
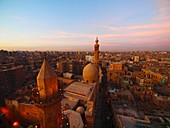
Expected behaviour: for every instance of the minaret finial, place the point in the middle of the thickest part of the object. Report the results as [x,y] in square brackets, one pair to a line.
[96,40]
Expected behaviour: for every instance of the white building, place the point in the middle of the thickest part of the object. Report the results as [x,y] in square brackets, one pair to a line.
[90,58]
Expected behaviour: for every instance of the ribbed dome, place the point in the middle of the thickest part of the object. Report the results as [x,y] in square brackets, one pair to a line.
[90,73]
[80,110]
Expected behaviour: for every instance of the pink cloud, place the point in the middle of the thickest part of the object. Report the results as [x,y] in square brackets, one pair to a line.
[151,33]
[152,39]
[63,34]
[146,26]
[108,44]
[138,34]
[163,10]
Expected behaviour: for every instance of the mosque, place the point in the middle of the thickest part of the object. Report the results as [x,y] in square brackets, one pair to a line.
[44,105]
[84,93]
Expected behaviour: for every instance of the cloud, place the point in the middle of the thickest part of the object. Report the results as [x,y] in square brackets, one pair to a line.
[151,33]
[145,26]
[163,10]
[156,29]
[137,34]
[63,34]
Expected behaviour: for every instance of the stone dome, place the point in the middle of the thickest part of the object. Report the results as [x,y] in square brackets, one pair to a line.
[90,73]
[80,110]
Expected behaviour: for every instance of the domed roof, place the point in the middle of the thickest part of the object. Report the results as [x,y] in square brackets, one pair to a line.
[80,110]
[90,73]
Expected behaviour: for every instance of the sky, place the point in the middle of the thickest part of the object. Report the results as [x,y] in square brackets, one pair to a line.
[73,25]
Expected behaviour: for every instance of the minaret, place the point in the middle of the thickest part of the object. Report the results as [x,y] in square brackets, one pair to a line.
[49,97]
[96,53]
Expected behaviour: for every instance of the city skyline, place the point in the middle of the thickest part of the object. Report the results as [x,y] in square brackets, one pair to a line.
[74,25]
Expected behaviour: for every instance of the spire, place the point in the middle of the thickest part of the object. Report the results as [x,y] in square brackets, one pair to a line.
[96,40]
[47,82]
[46,71]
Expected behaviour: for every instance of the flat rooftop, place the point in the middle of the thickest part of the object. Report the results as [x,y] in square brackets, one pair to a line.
[79,90]
[149,122]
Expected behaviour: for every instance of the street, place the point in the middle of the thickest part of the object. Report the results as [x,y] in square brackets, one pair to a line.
[103,113]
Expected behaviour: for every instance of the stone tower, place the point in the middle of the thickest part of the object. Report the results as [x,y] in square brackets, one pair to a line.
[96,53]
[49,97]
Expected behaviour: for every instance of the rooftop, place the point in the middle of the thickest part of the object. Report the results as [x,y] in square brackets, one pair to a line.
[12,68]
[148,122]
[79,90]
[71,103]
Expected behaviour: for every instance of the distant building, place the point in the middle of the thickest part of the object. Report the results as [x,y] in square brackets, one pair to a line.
[90,58]
[11,79]
[114,72]
[136,59]
[144,81]
[62,67]
[77,67]
[116,66]
[3,56]
[156,77]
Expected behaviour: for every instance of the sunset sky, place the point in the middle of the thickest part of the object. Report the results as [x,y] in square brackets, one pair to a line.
[72,25]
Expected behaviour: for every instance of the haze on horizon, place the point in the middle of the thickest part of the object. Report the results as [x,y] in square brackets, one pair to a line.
[73,25]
